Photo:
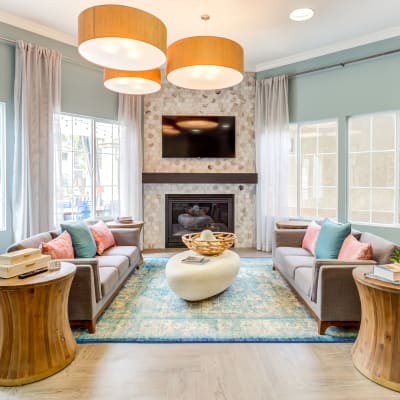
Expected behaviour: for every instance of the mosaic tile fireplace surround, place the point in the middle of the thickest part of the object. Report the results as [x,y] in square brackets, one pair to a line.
[238,101]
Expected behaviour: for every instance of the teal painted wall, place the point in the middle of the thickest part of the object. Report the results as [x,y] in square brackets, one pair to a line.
[81,88]
[7,96]
[358,88]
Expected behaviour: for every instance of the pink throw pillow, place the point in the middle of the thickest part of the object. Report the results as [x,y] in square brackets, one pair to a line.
[311,236]
[102,236]
[60,247]
[352,249]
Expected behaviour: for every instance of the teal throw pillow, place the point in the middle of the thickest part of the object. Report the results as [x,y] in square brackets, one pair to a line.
[82,239]
[330,239]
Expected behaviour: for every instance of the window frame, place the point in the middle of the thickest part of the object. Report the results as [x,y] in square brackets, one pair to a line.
[94,156]
[298,126]
[3,168]
[396,186]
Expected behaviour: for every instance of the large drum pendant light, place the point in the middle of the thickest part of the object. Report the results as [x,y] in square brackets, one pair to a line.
[122,37]
[132,82]
[205,63]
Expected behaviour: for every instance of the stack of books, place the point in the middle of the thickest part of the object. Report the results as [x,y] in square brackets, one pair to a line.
[21,262]
[195,260]
[387,273]
[125,220]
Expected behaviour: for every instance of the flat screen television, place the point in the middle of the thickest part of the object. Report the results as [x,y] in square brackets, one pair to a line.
[198,136]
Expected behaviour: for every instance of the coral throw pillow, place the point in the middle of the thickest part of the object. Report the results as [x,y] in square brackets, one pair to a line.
[352,249]
[60,247]
[310,238]
[102,236]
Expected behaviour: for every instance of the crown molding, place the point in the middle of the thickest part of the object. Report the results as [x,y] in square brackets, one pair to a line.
[339,46]
[35,27]
[40,29]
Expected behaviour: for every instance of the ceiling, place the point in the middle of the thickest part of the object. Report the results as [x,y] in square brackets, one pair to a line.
[262,27]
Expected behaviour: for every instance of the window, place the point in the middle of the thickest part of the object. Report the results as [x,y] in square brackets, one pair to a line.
[89,167]
[313,170]
[373,184]
[2,167]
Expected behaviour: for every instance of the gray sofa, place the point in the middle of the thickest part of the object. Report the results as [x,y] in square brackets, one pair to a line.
[326,287]
[97,280]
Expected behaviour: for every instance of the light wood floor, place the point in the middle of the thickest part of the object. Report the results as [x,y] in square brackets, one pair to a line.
[254,371]
[206,372]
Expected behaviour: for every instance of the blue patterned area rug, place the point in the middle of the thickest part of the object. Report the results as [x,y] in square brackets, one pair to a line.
[258,307]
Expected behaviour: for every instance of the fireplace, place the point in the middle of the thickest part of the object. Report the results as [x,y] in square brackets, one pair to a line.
[190,213]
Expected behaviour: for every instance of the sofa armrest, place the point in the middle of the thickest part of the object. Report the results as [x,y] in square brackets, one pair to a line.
[287,238]
[126,236]
[338,298]
[358,263]
[82,297]
[94,266]
[336,264]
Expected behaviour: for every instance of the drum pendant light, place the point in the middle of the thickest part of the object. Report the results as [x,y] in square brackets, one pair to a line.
[132,82]
[121,37]
[205,62]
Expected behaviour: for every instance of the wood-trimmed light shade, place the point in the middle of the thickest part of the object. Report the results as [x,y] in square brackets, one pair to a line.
[205,63]
[132,82]
[121,37]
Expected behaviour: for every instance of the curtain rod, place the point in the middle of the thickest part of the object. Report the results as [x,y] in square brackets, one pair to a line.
[343,64]
[309,71]
[65,58]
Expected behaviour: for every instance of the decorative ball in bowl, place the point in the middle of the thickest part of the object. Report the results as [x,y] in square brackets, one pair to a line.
[209,243]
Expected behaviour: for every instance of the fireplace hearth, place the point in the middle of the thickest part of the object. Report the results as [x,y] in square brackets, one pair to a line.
[188,213]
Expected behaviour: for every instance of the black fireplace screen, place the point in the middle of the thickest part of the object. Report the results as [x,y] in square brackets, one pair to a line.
[194,213]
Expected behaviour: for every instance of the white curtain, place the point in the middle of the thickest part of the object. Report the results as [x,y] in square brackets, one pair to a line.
[37,97]
[272,156]
[130,120]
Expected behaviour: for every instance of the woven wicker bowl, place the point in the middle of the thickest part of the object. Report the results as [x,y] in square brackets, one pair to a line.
[223,240]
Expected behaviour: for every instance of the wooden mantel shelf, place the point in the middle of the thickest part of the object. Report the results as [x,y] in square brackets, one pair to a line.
[214,177]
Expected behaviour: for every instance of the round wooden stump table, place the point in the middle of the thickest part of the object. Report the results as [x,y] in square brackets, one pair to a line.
[376,352]
[292,224]
[36,340]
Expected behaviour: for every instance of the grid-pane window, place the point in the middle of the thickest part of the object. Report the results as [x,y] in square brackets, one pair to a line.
[373,176]
[107,169]
[90,167]
[313,170]
[2,166]
[293,171]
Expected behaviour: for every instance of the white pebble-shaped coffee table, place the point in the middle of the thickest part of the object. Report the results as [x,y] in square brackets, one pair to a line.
[200,281]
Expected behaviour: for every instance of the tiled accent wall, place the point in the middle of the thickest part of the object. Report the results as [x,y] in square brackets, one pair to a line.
[237,101]
[171,100]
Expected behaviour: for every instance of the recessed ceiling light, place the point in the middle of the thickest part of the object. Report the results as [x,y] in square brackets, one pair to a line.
[301,14]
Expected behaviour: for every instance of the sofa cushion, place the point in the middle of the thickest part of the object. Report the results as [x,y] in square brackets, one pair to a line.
[82,239]
[311,236]
[293,262]
[132,252]
[108,279]
[121,263]
[330,239]
[352,249]
[303,278]
[382,249]
[103,236]
[292,251]
[59,248]
[282,252]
